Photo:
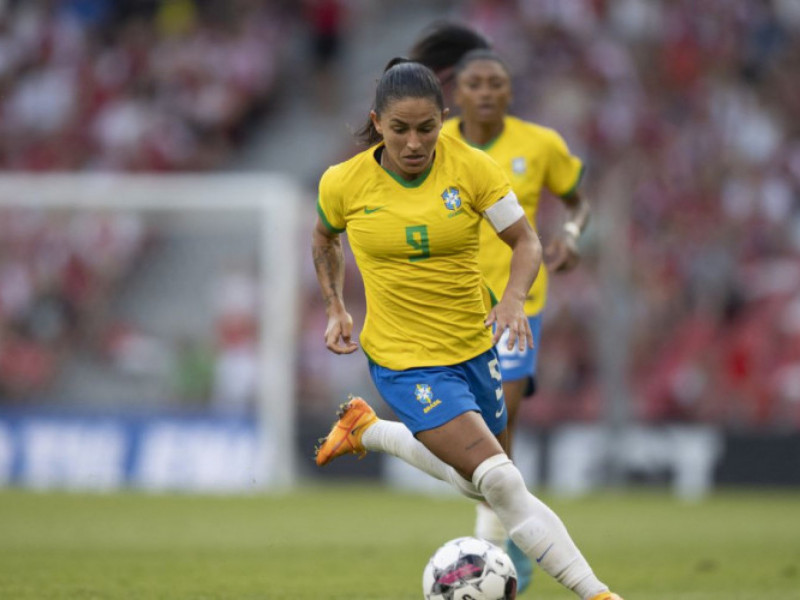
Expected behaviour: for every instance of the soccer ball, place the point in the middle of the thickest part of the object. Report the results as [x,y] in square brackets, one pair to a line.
[469,568]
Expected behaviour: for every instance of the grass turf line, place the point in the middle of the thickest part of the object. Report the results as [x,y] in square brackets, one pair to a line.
[369,543]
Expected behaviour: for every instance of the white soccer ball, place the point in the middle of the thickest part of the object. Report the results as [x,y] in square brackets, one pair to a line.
[469,568]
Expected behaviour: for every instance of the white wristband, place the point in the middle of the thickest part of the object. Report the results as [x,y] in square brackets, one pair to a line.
[572,229]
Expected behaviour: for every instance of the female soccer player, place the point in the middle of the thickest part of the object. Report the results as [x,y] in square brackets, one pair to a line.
[412,205]
[533,157]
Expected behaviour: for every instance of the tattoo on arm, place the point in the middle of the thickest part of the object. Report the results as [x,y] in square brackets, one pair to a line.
[329,265]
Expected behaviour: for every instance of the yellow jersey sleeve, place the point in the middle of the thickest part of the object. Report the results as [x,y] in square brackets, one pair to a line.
[330,202]
[564,170]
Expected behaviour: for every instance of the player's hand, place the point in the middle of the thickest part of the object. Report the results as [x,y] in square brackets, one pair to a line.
[562,253]
[338,333]
[510,315]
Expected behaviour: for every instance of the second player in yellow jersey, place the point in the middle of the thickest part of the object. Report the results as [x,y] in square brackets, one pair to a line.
[534,158]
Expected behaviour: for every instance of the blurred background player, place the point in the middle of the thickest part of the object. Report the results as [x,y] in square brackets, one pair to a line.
[441,46]
[431,355]
[533,157]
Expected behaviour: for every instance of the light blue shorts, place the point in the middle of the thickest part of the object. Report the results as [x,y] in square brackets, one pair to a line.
[427,397]
[518,364]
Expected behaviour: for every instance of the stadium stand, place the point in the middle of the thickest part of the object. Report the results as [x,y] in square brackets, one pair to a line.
[683,112]
[110,86]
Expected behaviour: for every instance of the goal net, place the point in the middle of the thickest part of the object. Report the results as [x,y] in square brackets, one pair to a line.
[147,330]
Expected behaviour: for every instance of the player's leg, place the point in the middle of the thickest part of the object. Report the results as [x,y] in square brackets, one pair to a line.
[487,524]
[465,441]
[533,526]
[465,445]
[426,399]
[514,392]
[518,368]
[416,396]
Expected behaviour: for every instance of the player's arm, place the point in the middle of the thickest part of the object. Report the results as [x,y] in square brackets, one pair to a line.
[326,248]
[563,253]
[511,225]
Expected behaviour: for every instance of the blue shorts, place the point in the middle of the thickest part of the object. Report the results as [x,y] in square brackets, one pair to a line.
[518,364]
[427,397]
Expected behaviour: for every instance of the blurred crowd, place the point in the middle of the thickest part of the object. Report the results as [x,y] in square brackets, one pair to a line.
[57,274]
[686,115]
[128,85]
[111,85]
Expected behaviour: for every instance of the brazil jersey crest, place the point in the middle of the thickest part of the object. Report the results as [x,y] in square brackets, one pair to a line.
[424,396]
[452,199]
[423,393]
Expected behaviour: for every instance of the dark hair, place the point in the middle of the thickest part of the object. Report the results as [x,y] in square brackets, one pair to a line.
[480,54]
[442,44]
[402,78]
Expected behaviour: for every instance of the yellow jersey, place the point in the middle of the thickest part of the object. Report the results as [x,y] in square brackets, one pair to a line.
[533,157]
[416,245]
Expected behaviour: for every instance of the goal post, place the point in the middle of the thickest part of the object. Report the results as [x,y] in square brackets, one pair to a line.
[275,200]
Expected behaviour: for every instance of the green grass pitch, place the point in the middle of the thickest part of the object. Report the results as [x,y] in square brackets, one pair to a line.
[368,543]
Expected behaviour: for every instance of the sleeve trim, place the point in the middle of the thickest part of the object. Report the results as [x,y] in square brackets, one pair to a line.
[571,191]
[325,221]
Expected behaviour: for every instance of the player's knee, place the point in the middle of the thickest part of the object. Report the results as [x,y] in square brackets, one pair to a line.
[497,476]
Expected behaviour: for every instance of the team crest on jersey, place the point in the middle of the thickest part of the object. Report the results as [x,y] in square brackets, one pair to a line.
[452,199]
[518,165]
[424,395]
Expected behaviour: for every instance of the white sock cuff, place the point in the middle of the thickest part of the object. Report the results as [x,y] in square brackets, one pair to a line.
[487,465]
[374,436]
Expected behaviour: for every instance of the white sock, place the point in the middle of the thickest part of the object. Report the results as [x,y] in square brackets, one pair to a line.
[488,525]
[396,439]
[534,527]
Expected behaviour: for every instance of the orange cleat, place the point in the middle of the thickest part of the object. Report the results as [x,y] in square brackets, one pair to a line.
[355,417]
[607,596]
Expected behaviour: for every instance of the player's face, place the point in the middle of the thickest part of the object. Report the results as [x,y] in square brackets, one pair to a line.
[483,92]
[410,128]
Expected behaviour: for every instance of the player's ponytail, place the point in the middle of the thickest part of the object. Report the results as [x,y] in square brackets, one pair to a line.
[397,60]
[401,78]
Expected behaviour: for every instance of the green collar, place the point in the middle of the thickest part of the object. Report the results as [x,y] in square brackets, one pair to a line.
[485,146]
[413,183]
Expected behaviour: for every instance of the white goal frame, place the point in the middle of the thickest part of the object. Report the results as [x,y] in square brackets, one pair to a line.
[277,199]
